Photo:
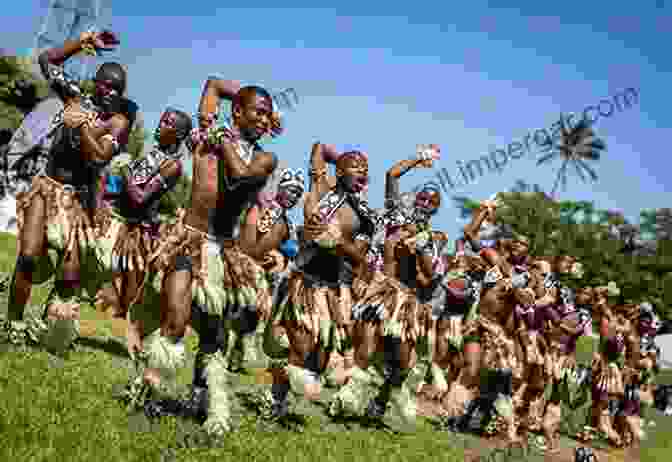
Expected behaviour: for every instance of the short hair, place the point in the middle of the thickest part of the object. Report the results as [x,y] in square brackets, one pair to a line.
[117,69]
[246,93]
[184,125]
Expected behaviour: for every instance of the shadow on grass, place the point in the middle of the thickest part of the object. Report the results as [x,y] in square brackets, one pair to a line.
[111,346]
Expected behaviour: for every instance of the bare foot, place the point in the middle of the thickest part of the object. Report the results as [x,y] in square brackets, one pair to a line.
[341,375]
[63,311]
[312,391]
[133,339]
[152,377]
[455,400]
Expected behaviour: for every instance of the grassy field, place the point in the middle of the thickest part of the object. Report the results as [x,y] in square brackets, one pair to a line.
[62,409]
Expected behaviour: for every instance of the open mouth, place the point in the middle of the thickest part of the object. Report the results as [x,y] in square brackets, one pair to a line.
[360,183]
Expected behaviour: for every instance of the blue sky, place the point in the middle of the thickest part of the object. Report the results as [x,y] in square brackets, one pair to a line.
[386,79]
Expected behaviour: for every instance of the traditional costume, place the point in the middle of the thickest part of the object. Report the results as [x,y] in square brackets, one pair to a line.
[68,187]
[226,283]
[318,292]
[128,230]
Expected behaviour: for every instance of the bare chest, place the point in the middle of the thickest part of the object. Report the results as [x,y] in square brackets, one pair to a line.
[205,180]
[348,220]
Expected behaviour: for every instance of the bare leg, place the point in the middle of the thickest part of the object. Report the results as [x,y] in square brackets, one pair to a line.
[165,347]
[354,398]
[32,243]
[306,362]
[441,358]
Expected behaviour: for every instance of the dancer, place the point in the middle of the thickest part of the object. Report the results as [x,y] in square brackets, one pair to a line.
[129,230]
[200,255]
[386,317]
[269,237]
[639,371]
[607,363]
[316,307]
[494,326]
[58,210]
[455,303]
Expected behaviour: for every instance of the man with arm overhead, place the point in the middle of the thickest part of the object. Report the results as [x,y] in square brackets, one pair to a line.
[206,275]
[57,211]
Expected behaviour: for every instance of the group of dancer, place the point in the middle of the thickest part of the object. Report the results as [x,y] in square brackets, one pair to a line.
[355,283]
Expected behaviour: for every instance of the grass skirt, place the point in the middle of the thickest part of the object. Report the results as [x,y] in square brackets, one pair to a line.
[607,379]
[225,281]
[322,311]
[386,299]
[68,227]
[122,246]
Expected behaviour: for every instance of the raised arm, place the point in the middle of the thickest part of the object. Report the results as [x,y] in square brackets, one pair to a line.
[51,61]
[424,158]
[320,156]
[214,91]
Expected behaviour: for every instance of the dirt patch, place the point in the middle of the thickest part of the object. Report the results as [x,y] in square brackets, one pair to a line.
[479,447]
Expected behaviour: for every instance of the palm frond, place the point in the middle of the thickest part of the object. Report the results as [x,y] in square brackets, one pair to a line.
[577,168]
[594,141]
[582,130]
[564,177]
[548,157]
[588,168]
[562,173]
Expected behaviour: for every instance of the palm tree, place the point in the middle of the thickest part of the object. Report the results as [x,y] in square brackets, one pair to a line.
[576,146]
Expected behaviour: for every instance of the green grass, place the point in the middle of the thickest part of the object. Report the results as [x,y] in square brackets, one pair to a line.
[63,409]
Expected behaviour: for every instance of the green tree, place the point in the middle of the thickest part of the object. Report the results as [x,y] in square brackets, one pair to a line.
[20,91]
[589,235]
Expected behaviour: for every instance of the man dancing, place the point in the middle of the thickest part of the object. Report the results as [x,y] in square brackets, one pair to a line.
[58,210]
[129,229]
[200,255]
[316,308]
